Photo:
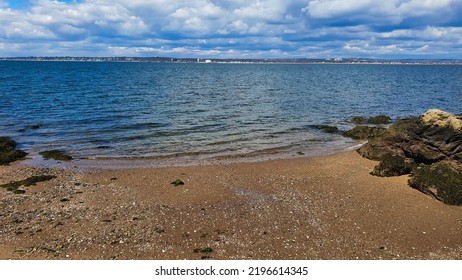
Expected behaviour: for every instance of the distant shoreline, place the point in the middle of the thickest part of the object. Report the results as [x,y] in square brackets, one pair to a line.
[240,61]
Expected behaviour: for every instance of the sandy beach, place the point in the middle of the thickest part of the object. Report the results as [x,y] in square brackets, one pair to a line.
[326,207]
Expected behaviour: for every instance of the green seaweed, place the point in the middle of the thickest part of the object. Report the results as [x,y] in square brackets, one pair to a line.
[206,250]
[56,155]
[440,180]
[177,182]
[33,180]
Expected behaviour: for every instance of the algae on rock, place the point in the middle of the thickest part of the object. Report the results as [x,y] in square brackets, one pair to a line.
[56,155]
[439,180]
[364,132]
[13,186]
[392,165]
[380,119]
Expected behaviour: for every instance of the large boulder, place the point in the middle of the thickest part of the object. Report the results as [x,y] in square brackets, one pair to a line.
[394,140]
[439,180]
[435,136]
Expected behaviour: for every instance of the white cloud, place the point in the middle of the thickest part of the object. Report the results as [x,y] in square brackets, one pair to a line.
[388,12]
[333,8]
[428,33]
[271,10]
[231,27]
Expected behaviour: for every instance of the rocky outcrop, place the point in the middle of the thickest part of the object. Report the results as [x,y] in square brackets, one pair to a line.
[435,136]
[429,147]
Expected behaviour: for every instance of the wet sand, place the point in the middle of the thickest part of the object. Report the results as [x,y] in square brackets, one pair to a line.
[326,207]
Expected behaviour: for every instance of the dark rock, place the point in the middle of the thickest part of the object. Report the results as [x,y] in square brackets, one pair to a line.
[392,165]
[56,155]
[380,119]
[393,140]
[358,120]
[364,132]
[327,128]
[439,180]
[35,126]
[103,147]
[8,151]
[17,191]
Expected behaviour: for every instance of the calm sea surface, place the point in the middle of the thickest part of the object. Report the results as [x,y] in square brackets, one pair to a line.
[208,110]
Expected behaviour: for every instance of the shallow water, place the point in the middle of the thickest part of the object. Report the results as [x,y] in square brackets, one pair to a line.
[169,110]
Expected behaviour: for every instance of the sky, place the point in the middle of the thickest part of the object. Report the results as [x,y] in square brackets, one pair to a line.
[389,29]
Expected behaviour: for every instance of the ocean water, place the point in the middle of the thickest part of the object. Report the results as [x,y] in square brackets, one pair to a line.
[175,110]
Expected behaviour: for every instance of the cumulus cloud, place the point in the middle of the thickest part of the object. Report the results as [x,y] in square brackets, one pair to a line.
[297,28]
[385,13]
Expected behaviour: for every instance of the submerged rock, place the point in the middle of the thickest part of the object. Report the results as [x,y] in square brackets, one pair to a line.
[380,119]
[8,151]
[358,120]
[56,155]
[327,128]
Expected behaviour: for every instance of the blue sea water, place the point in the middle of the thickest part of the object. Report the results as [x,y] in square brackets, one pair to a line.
[208,110]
